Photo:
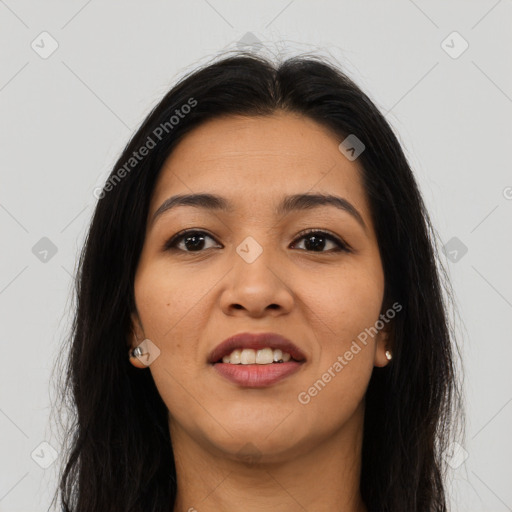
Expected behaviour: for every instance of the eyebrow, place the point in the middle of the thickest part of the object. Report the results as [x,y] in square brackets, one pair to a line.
[296,202]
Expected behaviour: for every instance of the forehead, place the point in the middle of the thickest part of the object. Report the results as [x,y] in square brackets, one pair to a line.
[258,160]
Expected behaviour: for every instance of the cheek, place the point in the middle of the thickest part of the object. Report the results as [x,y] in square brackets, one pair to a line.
[168,303]
[349,301]
[335,396]
[344,316]
[335,387]
[168,300]
[167,306]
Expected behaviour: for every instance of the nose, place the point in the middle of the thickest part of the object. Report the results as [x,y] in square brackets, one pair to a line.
[256,285]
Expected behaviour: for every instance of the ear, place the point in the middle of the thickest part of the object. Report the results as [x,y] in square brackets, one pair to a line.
[135,338]
[383,343]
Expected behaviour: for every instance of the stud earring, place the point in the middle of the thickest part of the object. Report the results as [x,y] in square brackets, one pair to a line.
[136,352]
[388,355]
[134,357]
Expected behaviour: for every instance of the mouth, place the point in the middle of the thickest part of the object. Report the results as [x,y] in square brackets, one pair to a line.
[262,356]
[257,375]
[256,360]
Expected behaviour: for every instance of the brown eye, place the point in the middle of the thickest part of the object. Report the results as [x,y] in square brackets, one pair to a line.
[188,241]
[316,241]
[195,241]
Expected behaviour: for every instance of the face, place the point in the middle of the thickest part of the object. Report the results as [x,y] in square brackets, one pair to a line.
[322,291]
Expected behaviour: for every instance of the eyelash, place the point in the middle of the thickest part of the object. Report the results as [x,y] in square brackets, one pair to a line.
[342,246]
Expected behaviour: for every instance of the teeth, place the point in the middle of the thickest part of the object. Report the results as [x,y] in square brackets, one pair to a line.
[234,356]
[282,355]
[265,356]
[250,356]
[277,354]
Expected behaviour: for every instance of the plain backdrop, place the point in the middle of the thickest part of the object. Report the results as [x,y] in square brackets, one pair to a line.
[78,77]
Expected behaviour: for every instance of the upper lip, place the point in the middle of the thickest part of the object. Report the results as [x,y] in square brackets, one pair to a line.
[255,341]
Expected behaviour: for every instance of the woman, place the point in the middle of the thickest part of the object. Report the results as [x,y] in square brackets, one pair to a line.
[260,321]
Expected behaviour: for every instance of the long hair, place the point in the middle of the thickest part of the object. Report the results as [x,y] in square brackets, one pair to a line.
[120,456]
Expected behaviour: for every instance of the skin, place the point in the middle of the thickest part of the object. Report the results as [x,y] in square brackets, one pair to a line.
[308,456]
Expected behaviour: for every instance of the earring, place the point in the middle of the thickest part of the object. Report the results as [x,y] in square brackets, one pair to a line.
[136,352]
[134,357]
[388,355]
[148,349]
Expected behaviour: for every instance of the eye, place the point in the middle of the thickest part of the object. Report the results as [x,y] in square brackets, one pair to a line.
[318,239]
[193,240]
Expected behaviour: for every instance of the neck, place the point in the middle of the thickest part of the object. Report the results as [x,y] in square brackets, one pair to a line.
[323,476]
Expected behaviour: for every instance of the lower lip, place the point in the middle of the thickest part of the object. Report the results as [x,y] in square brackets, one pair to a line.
[257,375]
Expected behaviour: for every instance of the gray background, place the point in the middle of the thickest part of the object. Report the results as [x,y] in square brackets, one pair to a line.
[65,118]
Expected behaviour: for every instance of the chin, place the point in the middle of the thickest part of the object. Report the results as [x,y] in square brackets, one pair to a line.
[260,451]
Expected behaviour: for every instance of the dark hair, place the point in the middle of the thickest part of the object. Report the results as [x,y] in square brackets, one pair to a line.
[120,458]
